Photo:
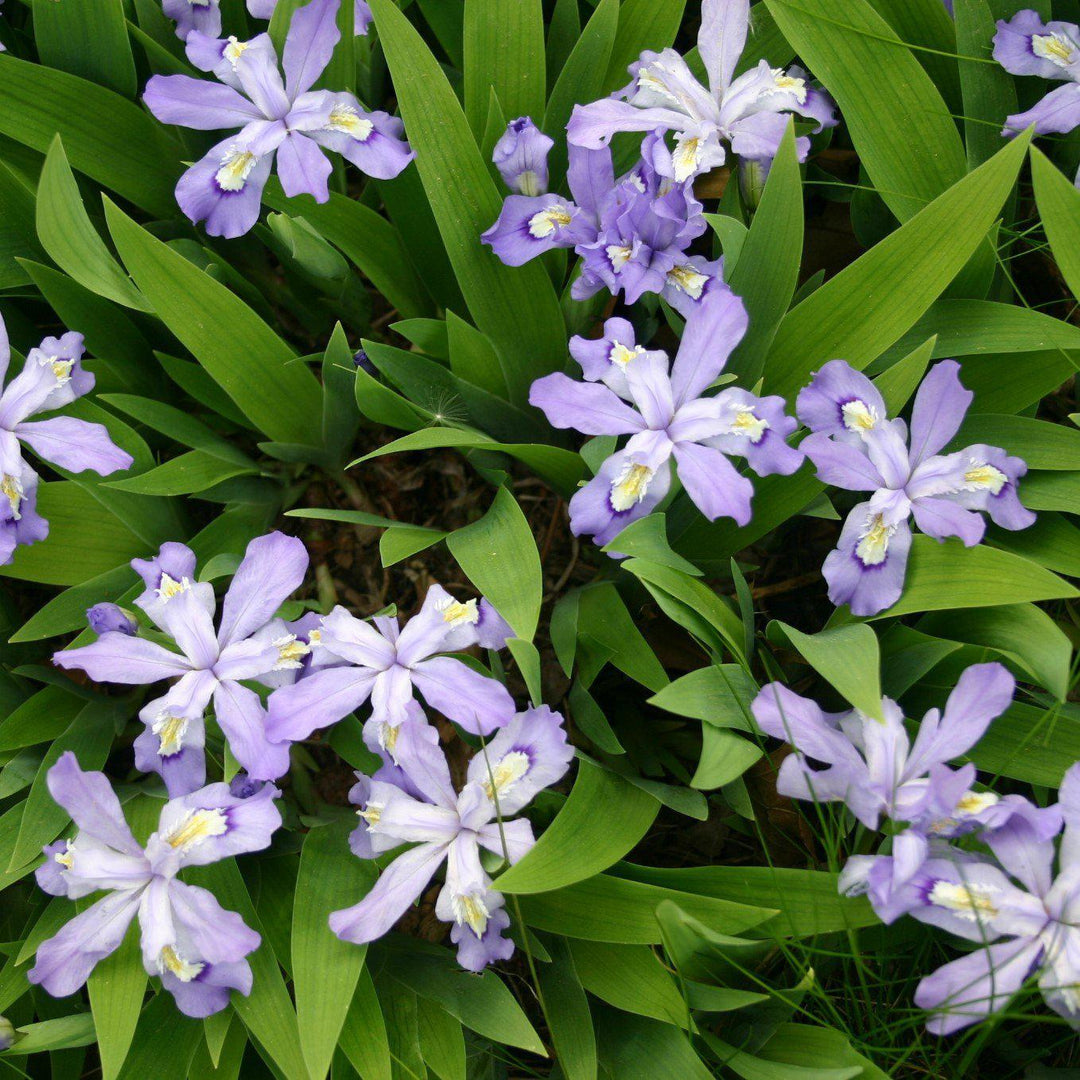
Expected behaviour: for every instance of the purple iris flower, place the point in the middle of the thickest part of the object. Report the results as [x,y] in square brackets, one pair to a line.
[102,618]
[856,447]
[224,189]
[51,378]
[749,114]
[203,16]
[668,418]
[528,755]
[873,767]
[188,939]
[389,663]
[521,156]
[1026,46]
[264,9]
[208,665]
[632,234]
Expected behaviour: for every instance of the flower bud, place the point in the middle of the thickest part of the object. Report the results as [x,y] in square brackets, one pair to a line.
[521,157]
[752,177]
[7,1033]
[105,617]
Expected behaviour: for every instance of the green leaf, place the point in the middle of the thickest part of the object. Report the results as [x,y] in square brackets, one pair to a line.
[586,837]
[481,1002]
[504,52]
[498,553]
[901,127]
[18,241]
[1059,208]
[465,202]
[367,240]
[725,756]
[867,306]
[948,575]
[1042,445]
[60,1034]
[646,538]
[643,24]
[363,1037]
[117,986]
[472,357]
[325,969]
[767,269]
[42,717]
[1022,633]
[566,1010]
[67,234]
[239,351]
[720,695]
[602,616]
[89,39]
[187,474]
[268,1012]
[162,1025]
[631,978]
[129,152]
[561,467]
[633,1048]
[847,658]
[88,737]
[442,1042]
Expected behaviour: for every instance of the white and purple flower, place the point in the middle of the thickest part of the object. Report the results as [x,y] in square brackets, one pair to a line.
[521,156]
[388,663]
[747,115]
[197,948]
[668,420]
[1025,45]
[264,9]
[249,644]
[855,446]
[51,378]
[286,118]
[422,808]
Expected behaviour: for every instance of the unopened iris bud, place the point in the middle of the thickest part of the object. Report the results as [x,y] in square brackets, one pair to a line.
[752,177]
[105,617]
[362,360]
[243,787]
[521,157]
[7,1033]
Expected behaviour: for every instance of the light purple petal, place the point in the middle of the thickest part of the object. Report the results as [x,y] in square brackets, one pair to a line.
[711,334]
[421,758]
[224,189]
[841,401]
[357,640]
[590,175]
[590,408]
[399,886]
[1014,48]
[941,519]
[592,126]
[939,410]
[241,716]
[65,961]
[479,704]
[841,464]
[117,658]
[94,808]
[969,989]
[272,569]
[527,227]
[373,141]
[1057,114]
[722,38]
[313,33]
[529,754]
[713,483]
[184,617]
[197,103]
[868,566]
[321,699]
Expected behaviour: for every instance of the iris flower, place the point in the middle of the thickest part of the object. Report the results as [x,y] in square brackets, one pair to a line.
[51,378]
[195,946]
[747,115]
[286,118]
[389,663]
[264,9]
[528,755]
[521,156]
[208,665]
[856,447]
[668,420]
[1025,45]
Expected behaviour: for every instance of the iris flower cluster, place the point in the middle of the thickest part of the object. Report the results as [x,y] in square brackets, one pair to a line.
[51,378]
[318,670]
[1002,895]
[271,116]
